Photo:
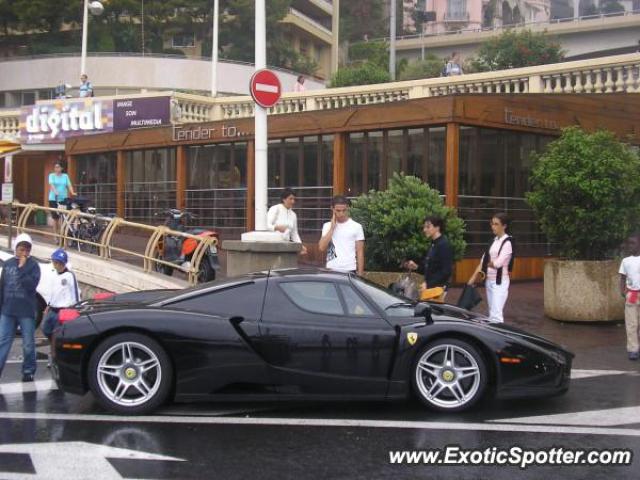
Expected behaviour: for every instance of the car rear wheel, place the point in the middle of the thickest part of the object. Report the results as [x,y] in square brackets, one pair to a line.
[130,373]
[449,375]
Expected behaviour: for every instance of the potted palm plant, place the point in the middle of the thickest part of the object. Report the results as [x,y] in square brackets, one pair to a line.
[586,196]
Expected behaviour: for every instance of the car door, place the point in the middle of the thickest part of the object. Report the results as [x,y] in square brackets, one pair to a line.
[223,329]
[323,337]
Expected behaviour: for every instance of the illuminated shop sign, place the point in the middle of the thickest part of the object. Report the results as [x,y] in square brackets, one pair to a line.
[54,122]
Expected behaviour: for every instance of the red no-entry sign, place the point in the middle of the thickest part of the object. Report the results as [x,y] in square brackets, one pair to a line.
[265,88]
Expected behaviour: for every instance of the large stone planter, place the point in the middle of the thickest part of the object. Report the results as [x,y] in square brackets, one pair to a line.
[582,291]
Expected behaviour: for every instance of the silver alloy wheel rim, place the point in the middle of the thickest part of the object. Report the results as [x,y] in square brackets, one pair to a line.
[129,374]
[447,376]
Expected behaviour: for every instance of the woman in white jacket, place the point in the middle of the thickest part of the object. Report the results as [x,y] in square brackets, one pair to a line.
[281,218]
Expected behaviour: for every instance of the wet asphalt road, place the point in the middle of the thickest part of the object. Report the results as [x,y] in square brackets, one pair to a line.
[47,434]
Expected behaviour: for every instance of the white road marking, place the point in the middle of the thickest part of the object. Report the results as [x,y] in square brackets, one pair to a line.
[609,417]
[20,361]
[35,386]
[75,460]
[265,87]
[313,422]
[576,373]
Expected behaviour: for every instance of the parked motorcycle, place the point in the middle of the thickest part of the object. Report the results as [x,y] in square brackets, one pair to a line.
[179,250]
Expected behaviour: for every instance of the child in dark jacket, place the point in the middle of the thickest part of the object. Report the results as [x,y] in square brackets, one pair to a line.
[18,282]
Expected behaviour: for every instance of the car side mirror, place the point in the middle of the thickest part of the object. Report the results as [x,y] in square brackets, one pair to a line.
[423,310]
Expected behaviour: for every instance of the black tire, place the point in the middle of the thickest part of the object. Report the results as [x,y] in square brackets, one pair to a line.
[160,268]
[450,391]
[161,377]
[206,273]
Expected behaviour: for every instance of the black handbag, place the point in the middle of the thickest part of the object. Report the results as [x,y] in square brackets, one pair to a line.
[469,297]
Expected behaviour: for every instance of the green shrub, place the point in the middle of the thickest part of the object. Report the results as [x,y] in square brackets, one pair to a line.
[365,74]
[393,220]
[586,193]
[514,49]
[372,52]
[430,67]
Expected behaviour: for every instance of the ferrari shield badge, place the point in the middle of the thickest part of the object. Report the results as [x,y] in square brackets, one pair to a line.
[412,338]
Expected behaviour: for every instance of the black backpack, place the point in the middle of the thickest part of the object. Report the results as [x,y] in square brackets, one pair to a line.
[485,259]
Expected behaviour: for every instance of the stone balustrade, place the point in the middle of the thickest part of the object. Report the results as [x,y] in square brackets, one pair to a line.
[9,124]
[617,74]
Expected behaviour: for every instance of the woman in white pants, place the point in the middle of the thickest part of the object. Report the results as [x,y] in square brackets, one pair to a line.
[495,266]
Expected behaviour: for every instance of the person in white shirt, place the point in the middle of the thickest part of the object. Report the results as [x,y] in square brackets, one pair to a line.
[495,266]
[64,292]
[630,291]
[299,85]
[343,239]
[281,218]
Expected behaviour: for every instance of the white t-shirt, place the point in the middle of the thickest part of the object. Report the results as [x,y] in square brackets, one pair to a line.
[65,292]
[630,267]
[281,215]
[341,254]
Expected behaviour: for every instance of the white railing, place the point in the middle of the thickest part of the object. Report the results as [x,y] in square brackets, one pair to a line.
[541,24]
[616,74]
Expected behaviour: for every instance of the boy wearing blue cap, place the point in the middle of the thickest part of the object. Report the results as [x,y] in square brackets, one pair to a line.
[64,293]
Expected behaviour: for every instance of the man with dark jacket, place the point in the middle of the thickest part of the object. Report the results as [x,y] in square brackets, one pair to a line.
[438,263]
[18,282]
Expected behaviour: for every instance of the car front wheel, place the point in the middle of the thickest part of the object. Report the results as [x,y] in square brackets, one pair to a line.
[130,373]
[449,375]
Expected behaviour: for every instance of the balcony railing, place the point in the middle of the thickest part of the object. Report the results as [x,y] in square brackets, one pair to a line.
[456,16]
[615,74]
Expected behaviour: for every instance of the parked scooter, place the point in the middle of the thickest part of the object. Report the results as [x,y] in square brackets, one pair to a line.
[179,250]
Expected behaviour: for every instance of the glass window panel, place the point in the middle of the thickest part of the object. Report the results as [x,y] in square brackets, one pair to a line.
[396,151]
[317,297]
[274,156]
[291,171]
[435,161]
[355,163]
[415,153]
[327,160]
[354,303]
[310,162]
[374,160]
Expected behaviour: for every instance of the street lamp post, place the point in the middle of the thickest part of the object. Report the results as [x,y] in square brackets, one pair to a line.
[392,42]
[214,49]
[96,9]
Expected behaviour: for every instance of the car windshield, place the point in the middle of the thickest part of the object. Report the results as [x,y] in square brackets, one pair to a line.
[391,303]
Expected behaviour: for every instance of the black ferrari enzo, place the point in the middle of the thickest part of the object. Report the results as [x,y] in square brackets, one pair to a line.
[295,334]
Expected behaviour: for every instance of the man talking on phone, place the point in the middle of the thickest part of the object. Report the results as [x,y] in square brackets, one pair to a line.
[18,282]
[343,239]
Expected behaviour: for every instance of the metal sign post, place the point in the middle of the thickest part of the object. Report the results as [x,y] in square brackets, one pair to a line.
[261,122]
[7,199]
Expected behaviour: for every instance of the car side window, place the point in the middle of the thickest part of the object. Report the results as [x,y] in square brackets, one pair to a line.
[239,300]
[354,303]
[316,297]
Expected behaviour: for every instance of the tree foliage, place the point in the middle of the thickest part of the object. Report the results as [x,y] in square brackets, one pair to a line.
[120,27]
[364,74]
[393,219]
[586,193]
[517,49]
[430,67]
[362,19]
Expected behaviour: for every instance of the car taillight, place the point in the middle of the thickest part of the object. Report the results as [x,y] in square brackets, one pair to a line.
[67,314]
[103,295]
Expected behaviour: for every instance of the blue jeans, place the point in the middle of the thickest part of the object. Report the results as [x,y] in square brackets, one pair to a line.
[49,323]
[8,325]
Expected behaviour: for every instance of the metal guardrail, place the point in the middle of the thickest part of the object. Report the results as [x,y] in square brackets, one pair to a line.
[105,244]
